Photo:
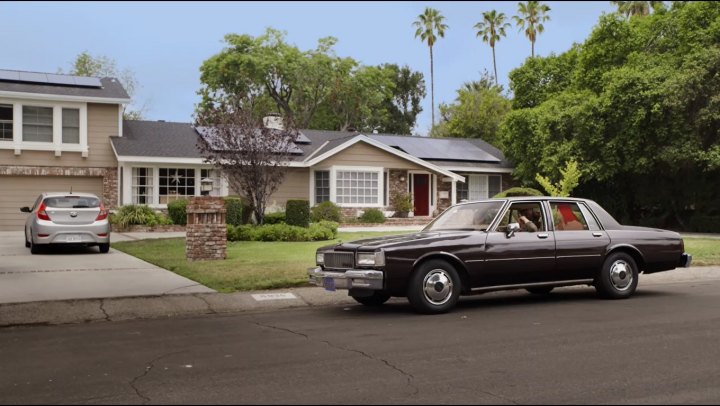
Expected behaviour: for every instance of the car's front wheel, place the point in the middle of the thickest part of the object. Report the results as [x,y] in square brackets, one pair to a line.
[27,243]
[376,299]
[434,287]
[618,277]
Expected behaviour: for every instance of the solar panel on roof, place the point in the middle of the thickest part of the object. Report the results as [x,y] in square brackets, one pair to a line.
[9,75]
[438,148]
[49,78]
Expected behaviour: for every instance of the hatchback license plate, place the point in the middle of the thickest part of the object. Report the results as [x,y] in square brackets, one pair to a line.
[329,284]
[73,238]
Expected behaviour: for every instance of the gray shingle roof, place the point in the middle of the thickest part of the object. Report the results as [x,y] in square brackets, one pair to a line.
[110,88]
[157,139]
[165,139]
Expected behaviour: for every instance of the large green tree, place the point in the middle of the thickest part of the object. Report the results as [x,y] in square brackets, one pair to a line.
[429,26]
[491,29]
[101,66]
[642,8]
[636,106]
[403,105]
[532,15]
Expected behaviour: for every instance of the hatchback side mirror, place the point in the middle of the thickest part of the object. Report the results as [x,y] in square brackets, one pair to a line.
[25,209]
[512,228]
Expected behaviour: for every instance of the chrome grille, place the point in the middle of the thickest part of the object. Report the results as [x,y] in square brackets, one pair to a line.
[339,260]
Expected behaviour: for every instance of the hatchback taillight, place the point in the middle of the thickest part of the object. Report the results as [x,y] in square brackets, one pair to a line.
[41,213]
[103,213]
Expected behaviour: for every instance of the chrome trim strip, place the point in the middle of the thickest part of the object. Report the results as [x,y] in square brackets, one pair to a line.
[579,256]
[519,259]
[534,285]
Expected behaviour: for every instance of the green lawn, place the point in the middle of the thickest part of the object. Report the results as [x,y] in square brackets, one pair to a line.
[254,265]
[250,265]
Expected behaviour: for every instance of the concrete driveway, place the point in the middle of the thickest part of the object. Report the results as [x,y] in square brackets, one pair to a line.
[80,273]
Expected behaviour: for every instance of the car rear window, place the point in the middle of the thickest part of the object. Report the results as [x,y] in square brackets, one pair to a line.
[72,202]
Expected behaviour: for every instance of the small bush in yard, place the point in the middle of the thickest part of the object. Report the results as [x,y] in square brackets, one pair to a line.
[324,230]
[177,209]
[326,210]
[133,214]
[236,211]
[275,218]
[297,213]
[373,216]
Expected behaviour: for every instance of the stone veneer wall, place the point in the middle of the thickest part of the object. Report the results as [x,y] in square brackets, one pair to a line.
[206,231]
[108,175]
[443,204]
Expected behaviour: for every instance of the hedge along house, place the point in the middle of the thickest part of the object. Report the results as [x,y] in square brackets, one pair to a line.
[55,137]
[159,162]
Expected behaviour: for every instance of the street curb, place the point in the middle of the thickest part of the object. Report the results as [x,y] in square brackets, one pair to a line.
[163,306]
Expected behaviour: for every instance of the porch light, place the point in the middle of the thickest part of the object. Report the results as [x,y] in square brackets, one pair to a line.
[206,185]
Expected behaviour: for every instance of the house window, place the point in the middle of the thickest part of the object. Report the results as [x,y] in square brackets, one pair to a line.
[37,124]
[6,122]
[478,187]
[70,126]
[142,186]
[322,186]
[176,183]
[357,187]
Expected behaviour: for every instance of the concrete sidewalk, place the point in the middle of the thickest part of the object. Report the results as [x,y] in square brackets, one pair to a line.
[148,307]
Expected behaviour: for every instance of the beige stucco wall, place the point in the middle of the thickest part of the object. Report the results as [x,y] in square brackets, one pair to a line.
[362,154]
[102,123]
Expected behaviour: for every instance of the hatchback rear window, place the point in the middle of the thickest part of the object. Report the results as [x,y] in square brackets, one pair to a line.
[72,202]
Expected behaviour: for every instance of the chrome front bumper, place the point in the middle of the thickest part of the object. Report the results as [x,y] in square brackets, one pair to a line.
[350,279]
[685,260]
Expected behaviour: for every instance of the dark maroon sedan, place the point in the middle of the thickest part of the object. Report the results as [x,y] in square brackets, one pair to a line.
[533,243]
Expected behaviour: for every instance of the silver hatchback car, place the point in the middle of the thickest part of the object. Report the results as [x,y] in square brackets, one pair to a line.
[67,219]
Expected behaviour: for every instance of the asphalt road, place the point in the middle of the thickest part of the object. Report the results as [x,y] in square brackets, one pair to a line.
[661,346]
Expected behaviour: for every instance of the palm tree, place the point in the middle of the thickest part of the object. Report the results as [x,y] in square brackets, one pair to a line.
[430,26]
[491,29]
[532,15]
[634,8]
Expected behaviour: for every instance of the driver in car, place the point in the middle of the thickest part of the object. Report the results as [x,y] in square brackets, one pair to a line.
[525,218]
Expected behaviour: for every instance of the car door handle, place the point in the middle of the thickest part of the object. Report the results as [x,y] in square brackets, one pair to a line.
[543,235]
[597,234]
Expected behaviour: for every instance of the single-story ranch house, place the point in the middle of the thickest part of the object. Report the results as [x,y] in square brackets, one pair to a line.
[59,132]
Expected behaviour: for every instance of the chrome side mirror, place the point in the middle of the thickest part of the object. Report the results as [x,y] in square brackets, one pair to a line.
[512,228]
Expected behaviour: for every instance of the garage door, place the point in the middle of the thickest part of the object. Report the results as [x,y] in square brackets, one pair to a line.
[19,191]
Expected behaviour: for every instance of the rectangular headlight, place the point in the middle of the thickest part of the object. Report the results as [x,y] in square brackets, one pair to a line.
[371,258]
[320,258]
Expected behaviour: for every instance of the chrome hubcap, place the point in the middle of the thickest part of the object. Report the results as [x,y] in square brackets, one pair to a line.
[437,287]
[621,275]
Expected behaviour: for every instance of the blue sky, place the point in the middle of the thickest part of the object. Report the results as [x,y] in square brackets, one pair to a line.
[164,43]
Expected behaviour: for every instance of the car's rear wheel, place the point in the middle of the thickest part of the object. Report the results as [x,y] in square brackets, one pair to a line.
[104,248]
[541,290]
[618,277]
[434,287]
[34,248]
[376,299]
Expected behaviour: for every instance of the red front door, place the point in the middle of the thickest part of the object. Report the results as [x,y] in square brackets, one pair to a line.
[421,194]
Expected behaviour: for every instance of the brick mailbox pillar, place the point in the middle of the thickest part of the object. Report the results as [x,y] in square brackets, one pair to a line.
[206,230]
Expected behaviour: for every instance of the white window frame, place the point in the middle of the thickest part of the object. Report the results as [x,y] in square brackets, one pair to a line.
[127,193]
[333,184]
[56,145]
[484,179]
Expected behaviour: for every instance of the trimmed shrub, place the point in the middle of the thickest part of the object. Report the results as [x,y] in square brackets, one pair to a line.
[327,210]
[324,230]
[138,215]
[177,209]
[275,218]
[373,216]
[519,191]
[297,213]
[237,211]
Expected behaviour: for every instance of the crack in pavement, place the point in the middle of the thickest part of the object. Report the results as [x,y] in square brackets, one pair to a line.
[409,376]
[182,287]
[102,308]
[210,309]
[148,368]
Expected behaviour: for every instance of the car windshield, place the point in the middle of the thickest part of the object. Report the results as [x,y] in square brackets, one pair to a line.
[72,202]
[471,216]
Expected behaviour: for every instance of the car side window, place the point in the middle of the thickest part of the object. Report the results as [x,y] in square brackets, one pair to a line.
[569,216]
[592,224]
[528,215]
